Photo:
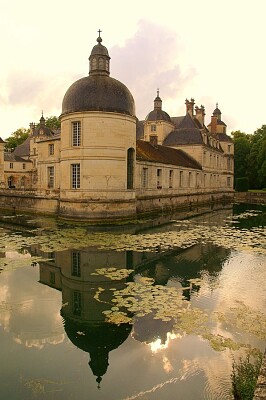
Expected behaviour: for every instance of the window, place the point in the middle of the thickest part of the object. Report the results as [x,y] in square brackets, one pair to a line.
[205,180]
[50,173]
[75,267]
[22,181]
[181,178]
[11,165]
[229,148]
[94,63]
[228,164]
[197,179]
[144,177]
[101,63]
[34,151]
[23,166]
[76,303]
[52,278]
[10,182]
[228,181]
[171,173]
[75,176]
[159,178]
[153,128]
[51,149]
[130,168]
[76,132]
[189,179]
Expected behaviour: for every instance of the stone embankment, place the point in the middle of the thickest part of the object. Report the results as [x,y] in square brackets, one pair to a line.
[260,391]
[250,197]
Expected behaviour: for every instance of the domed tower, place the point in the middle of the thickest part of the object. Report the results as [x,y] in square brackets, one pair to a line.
[158,123]
[98,142]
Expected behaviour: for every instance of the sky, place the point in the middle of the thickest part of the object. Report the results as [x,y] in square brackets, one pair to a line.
[211,51]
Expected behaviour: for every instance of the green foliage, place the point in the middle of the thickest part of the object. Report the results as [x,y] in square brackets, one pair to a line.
[16,138]
[244,377]
[53,122]
[242,184]
[250,157]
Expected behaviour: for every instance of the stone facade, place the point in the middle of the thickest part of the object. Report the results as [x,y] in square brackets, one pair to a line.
[104,164]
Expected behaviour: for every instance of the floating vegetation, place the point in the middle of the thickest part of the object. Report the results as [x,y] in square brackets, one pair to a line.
[244,318]
[40,386]
[113,273]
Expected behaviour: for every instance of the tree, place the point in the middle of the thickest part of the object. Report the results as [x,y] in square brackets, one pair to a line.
[242,152]
[16,138]
[257,158]
[53,122]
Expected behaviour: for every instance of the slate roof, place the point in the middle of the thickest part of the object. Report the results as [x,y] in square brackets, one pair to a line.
[223,137]
[164,155]
[158,115]
[12,157]
[23,150]
[1,140]
[183,136]
[140,129]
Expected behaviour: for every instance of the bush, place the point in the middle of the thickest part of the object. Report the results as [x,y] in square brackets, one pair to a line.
[244,377]
[242,184]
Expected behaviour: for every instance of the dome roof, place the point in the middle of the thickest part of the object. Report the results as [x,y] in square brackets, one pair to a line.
[158,115]
[98,93]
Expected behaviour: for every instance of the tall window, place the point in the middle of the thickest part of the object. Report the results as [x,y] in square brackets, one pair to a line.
[50,173]
[76,133]
[144,177]
[130,168]
[23,166]
[197,179]
[11,165]
[75,176]
[159,178]
[189,179]
[171,173]
[229,181]
[153,128]
[77,303]
[181,178]
[51,149]
[75,267]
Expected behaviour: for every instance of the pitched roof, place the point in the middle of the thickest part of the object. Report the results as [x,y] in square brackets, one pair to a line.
[23,150]
[145,151]
[14,158]
[183,136]
[223,137]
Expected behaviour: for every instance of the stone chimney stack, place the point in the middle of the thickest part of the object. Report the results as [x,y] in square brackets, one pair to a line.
[190,106]
[214,124]
[200,114]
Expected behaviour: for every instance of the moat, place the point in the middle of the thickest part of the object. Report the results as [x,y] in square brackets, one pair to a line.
[155,310]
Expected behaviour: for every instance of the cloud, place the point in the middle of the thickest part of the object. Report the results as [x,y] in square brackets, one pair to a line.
[148,61]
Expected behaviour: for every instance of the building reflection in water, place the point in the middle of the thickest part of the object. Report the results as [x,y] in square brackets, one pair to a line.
[71,272]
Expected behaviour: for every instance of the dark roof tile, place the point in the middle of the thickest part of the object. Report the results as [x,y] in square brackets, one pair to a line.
[165,155]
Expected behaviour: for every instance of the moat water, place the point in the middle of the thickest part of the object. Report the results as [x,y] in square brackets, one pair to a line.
[157,310]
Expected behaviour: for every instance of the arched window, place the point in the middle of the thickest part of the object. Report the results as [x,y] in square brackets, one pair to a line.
[130,168]
[101,63]
[94,63]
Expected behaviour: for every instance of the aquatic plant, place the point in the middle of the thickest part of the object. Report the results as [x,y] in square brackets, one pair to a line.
[244,376]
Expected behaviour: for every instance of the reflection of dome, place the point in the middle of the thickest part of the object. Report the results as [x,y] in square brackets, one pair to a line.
[98,92]
[97,340]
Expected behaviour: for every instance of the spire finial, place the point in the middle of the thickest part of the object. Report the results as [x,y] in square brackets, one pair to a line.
[157,92]
[99,40]
[216,105]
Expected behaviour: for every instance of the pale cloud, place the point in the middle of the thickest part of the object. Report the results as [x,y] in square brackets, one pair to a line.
[147,61]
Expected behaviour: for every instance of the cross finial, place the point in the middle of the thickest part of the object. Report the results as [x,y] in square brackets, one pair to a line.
[99,31]
[99,40]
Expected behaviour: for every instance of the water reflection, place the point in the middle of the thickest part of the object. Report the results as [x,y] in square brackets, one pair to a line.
[73,272]
[157,356]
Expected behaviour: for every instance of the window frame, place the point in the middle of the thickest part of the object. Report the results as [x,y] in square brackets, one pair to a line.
[76,134]
[75,176]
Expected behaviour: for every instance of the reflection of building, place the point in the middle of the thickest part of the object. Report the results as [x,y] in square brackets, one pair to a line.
[84,322]
[105,164]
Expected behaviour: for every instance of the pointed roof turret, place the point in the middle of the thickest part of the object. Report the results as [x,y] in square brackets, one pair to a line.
[99,59]
[157,114]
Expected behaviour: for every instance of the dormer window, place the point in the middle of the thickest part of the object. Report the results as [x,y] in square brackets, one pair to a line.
[153,128]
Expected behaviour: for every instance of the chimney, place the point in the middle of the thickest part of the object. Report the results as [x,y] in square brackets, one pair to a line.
[200,114]
[190,106]
[214,124]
